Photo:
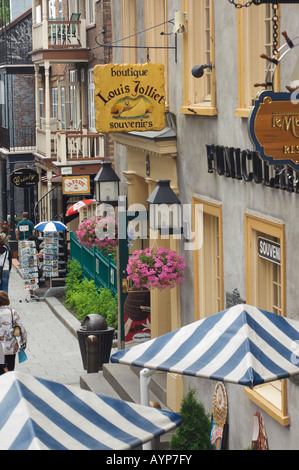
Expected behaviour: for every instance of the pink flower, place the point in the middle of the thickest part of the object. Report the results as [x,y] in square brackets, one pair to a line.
[98,232]
[155,268]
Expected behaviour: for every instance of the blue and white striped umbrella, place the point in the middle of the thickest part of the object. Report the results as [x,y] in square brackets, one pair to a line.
[50,226]
[37,414]
[242,345]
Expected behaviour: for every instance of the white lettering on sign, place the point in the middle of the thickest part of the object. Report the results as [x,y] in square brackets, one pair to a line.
[76,184]
[269,250]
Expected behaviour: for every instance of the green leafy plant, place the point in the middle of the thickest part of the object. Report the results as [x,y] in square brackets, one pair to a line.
[194,433]
[84,298]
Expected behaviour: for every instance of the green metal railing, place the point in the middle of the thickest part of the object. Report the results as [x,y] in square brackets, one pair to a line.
[95,266]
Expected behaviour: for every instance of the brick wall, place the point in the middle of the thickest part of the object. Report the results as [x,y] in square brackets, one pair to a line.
[23,110]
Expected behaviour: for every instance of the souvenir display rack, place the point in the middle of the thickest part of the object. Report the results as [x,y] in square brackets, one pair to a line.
[28,264]
[50,254]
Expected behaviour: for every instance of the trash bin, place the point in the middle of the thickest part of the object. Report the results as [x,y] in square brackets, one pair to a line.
[95,325]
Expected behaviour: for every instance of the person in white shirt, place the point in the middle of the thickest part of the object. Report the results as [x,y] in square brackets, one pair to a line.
[9,319]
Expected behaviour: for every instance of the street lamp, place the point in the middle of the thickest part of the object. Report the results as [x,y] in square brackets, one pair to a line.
[107,185]
[164,209]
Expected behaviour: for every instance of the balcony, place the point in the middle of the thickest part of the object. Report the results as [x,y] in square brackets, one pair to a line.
[60,40]
[14,141]
[69,147]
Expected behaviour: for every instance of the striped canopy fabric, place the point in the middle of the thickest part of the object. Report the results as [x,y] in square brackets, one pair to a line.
[51,226]
[242,345]
[37,414]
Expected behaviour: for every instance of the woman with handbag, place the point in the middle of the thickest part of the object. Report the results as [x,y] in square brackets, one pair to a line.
[5,265]
[10,328]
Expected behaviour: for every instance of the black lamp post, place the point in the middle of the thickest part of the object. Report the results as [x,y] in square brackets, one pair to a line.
[107,185]
[164,209]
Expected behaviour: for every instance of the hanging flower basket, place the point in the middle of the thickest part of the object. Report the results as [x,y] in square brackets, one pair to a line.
[155,267]
[100,233]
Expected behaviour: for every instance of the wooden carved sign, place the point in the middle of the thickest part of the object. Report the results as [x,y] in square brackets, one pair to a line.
[129,97]
[273,127]
[219,416]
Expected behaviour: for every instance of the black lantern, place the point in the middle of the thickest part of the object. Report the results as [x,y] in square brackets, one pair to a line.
[164,209]
[107,185]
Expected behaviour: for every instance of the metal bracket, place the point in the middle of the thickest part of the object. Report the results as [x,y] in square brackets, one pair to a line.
[113,43]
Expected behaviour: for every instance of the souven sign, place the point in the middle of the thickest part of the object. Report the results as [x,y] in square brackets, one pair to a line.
[269,250]
[129,97]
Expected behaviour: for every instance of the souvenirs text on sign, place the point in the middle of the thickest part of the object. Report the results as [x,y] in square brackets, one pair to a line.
[76,184]
[269,250]
[273,126]
[129,97]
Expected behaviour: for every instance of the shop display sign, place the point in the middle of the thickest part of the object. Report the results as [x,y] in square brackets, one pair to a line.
[76,184]
[220,410]
[269,250]
[129,97]
[24,178]
[273,126]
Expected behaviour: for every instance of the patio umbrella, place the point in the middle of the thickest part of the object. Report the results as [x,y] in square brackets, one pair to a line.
[75,207]
[50,226]
[39,414]
[243,345]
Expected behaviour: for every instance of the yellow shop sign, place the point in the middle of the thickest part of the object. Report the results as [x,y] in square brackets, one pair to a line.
[129,97]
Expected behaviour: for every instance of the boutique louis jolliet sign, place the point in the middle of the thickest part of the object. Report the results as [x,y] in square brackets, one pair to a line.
[273,127]
[129,97]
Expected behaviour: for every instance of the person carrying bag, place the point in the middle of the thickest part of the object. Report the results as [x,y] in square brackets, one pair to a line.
[10,325]
[5,265]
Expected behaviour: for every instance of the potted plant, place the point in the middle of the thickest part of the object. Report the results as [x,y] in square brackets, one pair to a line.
[99,232]
[155,268]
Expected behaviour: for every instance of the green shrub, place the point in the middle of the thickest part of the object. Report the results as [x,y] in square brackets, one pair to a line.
[84,298]
[194,433]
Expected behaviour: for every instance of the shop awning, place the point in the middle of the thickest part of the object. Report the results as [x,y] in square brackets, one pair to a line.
[243,345]
[40,414]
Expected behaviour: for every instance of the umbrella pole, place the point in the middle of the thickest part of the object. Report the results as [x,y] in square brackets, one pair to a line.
[145,377]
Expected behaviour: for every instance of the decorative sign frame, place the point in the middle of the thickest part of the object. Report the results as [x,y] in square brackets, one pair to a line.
[273,127]
[76,184]
[24,177]
[129,97]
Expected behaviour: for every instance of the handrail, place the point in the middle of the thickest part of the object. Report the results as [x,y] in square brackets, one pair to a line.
[39,201]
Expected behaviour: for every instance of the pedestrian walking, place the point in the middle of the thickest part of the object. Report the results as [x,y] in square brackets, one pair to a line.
[5,233]
[11,328]
[5,265]
[3,366]
[25,228]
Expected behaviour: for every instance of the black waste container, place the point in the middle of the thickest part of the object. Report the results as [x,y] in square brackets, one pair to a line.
[95,325]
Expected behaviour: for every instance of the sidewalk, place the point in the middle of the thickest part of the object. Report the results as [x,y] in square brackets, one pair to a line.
[52,350]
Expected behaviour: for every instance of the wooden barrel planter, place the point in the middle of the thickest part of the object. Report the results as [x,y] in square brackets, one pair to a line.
[133,303]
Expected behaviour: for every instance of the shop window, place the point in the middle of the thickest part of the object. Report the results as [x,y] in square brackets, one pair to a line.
[198,44]
[90,4]
[128,9]
[54,100]
[41,105]
[255,37]
[265,289]
[208,260]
